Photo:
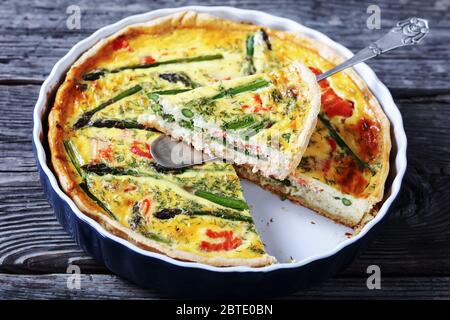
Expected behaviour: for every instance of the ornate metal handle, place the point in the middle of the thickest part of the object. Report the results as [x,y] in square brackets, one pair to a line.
[406,32]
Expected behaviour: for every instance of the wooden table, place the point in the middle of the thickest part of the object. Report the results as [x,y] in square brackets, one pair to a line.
[413,249]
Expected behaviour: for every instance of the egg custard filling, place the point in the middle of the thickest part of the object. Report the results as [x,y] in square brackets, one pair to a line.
[239,91]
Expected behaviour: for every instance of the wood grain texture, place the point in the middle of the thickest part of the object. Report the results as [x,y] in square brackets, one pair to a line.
[413,248]
[34,35]
[54,286]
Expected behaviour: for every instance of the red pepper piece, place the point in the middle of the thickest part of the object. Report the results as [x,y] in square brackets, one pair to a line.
[228,243]
[135,148]
[332,104]
[148,60]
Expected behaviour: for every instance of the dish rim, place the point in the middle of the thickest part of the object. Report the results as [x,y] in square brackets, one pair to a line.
[253,16]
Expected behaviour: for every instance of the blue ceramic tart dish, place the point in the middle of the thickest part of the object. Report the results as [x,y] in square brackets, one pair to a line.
[189,279]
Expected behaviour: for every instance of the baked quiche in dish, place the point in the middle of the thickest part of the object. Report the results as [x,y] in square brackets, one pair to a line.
[250,93]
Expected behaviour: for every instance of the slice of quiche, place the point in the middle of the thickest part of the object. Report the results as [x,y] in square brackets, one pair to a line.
[262,120]
[197,214]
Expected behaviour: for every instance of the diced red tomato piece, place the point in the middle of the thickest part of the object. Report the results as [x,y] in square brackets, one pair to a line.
[332,104]
[350,179]
[148,60]
[367,132]
[218,234]
[228,243]
[257,99]
[145,206]
[136,149]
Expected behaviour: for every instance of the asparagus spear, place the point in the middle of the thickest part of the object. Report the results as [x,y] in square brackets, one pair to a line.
[154,95]
[224,215]
[335,135]
[179,77]
[100,73]
[250,49]
[86,190]
[102,169]
[119,124]
[71,152]
[170,213]
[251,86]
[86,117]
[222,200]
[266,39]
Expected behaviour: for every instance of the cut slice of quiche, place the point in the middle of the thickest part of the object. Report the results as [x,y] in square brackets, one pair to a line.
[262,120]
[197,214]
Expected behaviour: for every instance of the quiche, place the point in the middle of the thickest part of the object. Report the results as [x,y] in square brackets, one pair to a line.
[152,76]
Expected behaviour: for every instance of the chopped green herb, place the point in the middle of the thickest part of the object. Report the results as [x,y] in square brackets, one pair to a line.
[168,117]
[156,108]
[156,237]
[186,124]
[153,96]
[286,136]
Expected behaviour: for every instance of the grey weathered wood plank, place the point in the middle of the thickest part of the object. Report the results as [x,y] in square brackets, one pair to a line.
[92,286]
[34,35]
[31,241]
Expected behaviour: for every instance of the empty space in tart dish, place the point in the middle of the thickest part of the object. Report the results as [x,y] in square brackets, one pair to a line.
[291,232]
